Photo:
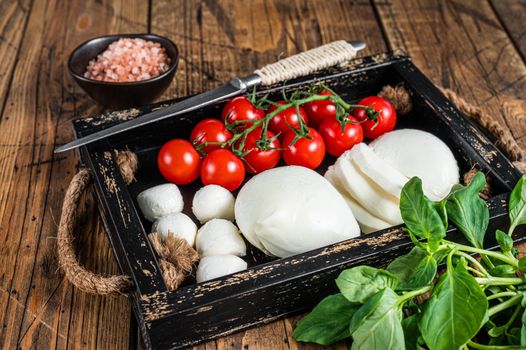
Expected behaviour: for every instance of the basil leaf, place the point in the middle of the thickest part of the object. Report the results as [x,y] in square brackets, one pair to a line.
[413,270]
[455,312]
[505,241]
[468,211]
[328,322]
[365,310]
[381,329]
[360,283]
[517,203]
[419,213]
[411,332]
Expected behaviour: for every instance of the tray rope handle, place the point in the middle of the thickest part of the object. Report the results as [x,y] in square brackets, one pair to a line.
[81,278]
[176,256]
[307,62]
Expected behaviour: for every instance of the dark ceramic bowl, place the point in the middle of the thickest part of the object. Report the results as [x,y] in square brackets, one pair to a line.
[121,95]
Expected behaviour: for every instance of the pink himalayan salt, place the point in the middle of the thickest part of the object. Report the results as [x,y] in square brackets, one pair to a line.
[127,60]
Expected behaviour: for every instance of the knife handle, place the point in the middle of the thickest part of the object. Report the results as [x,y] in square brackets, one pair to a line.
[307,62]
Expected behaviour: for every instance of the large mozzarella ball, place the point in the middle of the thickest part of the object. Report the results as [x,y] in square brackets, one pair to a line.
[213,202]
[177,224]
[159,201]
[215,266]
[291,210]
[419,153]
[220,237]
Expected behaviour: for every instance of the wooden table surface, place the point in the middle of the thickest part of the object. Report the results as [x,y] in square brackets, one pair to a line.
[476,47]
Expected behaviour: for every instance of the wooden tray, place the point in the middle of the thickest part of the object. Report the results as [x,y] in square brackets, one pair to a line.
[270,288]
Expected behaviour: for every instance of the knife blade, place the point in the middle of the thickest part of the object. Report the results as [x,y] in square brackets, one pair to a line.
[235,87]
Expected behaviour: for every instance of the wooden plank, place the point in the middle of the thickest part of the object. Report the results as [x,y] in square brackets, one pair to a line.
[459,44]
[13,20]
[512,16]
[220,39]
[39,308]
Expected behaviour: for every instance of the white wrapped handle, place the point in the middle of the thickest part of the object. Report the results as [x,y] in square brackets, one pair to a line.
[307,62]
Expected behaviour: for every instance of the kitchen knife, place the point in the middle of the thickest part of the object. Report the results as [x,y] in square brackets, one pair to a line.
[288,68]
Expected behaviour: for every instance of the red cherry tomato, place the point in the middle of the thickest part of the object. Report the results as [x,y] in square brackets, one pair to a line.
[179,162]
[386,117]
[222,167]
[318,111]
[209,130]
[336,141]
[305,152]
[240,109]
[281,121]
[258,160]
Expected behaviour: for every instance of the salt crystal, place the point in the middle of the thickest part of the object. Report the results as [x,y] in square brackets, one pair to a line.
[129,60]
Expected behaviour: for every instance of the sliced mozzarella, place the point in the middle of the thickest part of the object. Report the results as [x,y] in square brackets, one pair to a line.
[377,169]
[213,202]
[216,266]
[367,193]
[220,237]
[159,201]
[368,222]
[177,224]
[419,153]
[290,210]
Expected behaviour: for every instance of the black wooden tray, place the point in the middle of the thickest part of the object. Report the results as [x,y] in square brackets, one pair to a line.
[269,289]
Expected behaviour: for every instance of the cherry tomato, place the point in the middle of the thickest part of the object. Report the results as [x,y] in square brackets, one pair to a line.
[336,141]
[241,109]
[210,130]
[281,121]
[222,167]
[258,160]
[318,111]
[386,117]
[305,152]
[179,162]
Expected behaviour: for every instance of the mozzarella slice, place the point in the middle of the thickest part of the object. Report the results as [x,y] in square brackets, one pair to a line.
[216,266]
[291,210]
[368,222]
[160,200]
[177,224]
[377,169]
[419,153]
[367,193]
[220,237]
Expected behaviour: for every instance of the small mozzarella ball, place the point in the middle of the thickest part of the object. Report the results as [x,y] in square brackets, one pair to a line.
[219,237]
[213,202]
[215,266]
[177,224]
[159,201]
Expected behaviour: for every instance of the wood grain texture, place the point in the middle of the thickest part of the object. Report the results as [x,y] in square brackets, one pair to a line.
[475,47]
[39,308]
[462,45]
[512,16]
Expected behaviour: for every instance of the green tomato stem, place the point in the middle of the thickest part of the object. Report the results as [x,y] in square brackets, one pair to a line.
[505,305]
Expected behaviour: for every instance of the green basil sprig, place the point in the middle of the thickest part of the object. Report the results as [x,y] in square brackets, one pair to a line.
[474,303]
